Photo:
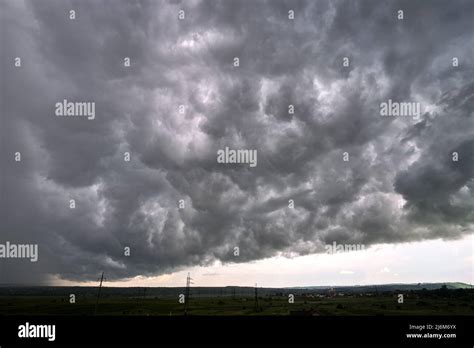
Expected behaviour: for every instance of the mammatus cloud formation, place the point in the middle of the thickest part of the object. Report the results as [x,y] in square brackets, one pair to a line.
[400,182]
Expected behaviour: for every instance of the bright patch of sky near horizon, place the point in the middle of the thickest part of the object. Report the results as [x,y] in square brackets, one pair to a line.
[419,262]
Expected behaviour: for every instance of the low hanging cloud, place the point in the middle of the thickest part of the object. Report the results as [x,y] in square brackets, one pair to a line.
[182,99]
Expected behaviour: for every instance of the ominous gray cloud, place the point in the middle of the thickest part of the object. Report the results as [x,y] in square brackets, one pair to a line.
[400,183]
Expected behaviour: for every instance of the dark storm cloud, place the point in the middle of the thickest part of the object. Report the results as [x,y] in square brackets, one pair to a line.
[400,183]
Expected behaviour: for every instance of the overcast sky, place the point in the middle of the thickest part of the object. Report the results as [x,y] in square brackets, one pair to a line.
[400,189]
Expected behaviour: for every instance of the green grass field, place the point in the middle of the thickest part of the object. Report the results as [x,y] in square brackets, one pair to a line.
[225,306]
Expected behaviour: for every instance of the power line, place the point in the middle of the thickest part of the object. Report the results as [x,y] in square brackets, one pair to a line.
[98,294]
[187,294]
[256,298]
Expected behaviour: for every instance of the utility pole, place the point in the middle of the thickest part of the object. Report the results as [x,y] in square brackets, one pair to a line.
[187,294]
[256,298]
[98,294]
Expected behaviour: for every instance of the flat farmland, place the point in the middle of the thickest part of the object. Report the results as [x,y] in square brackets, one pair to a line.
[116,305]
